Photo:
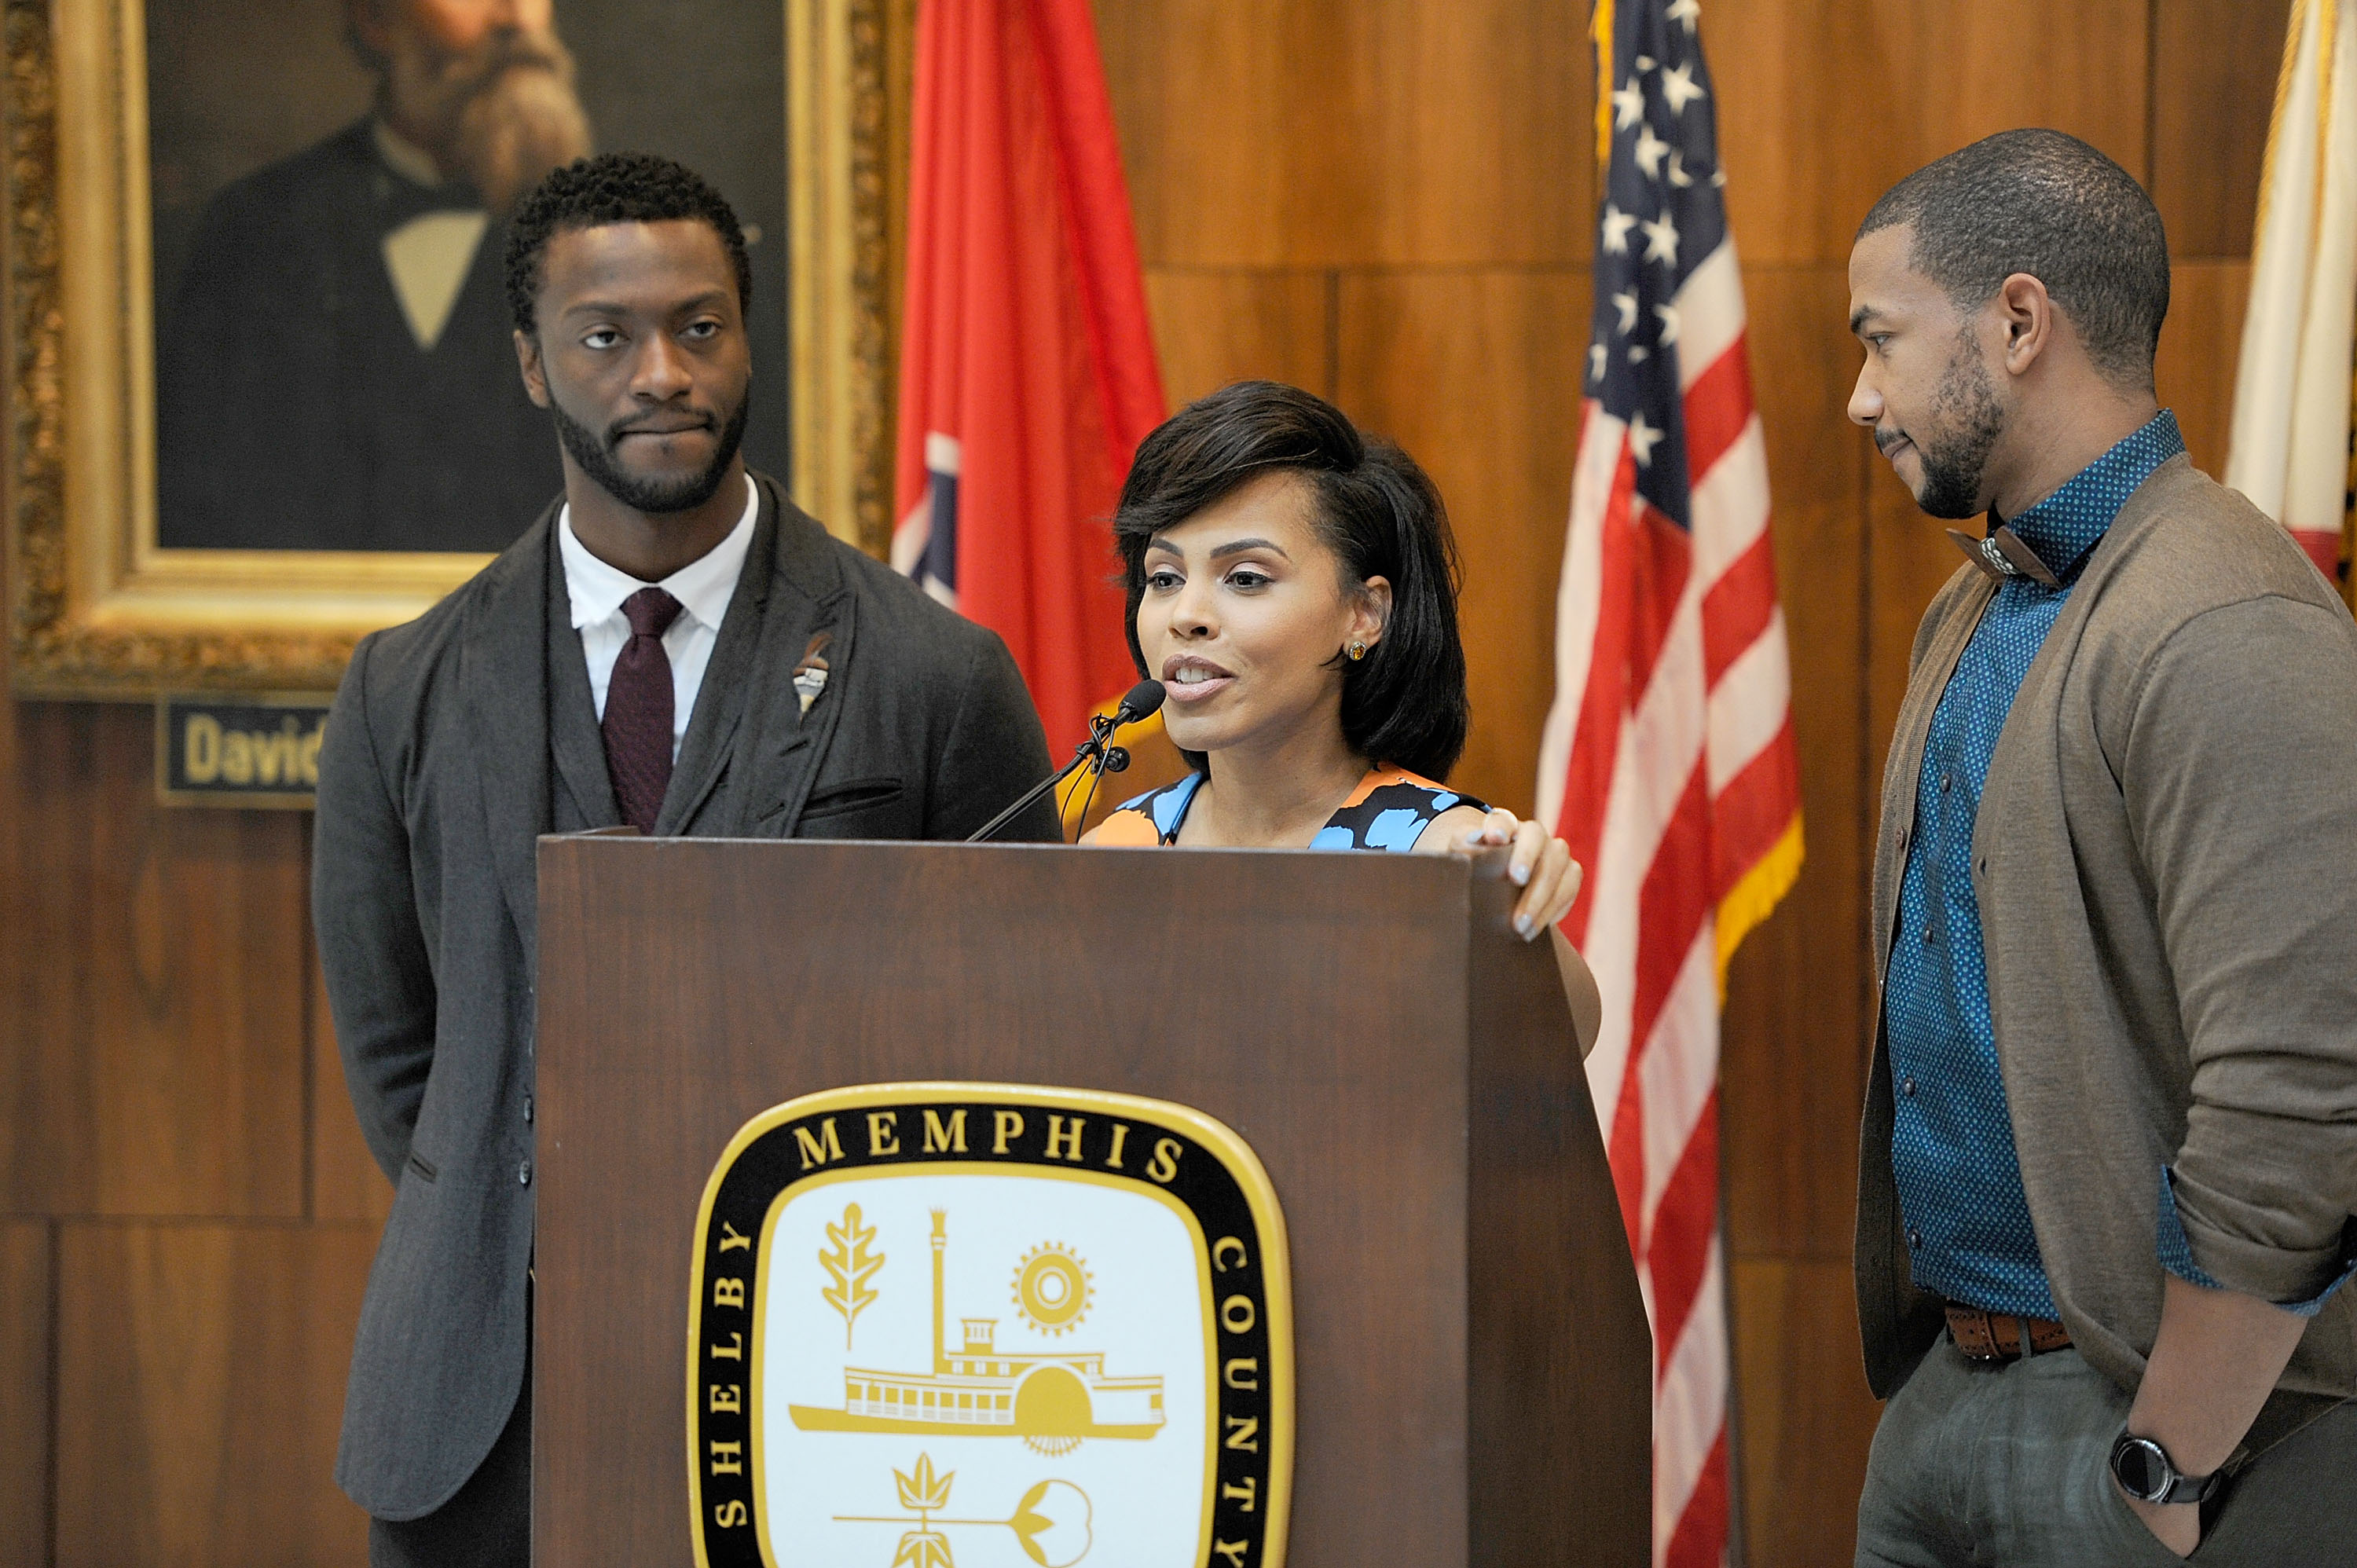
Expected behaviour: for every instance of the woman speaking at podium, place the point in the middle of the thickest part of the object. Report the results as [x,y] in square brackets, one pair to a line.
[1293,584]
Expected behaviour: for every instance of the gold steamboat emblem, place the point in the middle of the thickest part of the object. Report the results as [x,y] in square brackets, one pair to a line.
[1050,1399]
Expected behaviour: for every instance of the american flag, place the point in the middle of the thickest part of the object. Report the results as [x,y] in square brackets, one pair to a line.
[1668,760]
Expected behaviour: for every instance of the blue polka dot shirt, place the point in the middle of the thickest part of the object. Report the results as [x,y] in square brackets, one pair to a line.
[1968,1229]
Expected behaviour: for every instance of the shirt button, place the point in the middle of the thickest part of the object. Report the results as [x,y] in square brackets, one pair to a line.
[1907,1088]
[1947,782]
[1915,1239]
[523,1173]
[1929,937]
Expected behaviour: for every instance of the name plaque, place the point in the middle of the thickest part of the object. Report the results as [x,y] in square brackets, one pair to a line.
[239,749]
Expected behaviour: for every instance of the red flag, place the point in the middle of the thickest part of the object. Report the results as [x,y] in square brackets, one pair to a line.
[1028,375]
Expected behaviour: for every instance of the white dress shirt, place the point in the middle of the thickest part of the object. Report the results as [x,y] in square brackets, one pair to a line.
[702,587]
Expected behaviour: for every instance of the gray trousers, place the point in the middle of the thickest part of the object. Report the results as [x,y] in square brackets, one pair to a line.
[487,1524]
[2009,1465]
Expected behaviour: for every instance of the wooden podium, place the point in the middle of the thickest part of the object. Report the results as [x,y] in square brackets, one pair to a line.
[1473,1370]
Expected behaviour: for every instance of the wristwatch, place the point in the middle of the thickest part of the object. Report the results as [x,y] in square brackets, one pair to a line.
[2147,1474]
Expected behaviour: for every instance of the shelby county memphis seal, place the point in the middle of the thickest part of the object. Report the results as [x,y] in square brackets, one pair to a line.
[985,1326]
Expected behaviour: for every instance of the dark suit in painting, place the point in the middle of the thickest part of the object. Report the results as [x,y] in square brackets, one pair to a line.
[454,741]
[295,409]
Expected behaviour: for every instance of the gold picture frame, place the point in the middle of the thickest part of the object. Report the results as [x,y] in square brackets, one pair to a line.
[98,610]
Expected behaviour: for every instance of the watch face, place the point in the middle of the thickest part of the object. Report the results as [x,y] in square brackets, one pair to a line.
[2142,1468]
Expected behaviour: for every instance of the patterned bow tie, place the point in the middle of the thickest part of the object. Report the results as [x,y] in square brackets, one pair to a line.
[2003,554]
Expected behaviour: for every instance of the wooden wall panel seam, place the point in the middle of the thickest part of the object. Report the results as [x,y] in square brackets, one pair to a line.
[53,1481]
[1333,387]
[310,1119]
[201,1374]
[1231,270]
[258,1224]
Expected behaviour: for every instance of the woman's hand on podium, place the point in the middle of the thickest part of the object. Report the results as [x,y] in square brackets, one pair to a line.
[1550,881]
[1541,866]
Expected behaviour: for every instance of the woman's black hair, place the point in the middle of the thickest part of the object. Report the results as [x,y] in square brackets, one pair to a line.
[1405,703]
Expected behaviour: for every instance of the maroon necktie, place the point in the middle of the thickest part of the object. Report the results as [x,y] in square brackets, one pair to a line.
[639,711]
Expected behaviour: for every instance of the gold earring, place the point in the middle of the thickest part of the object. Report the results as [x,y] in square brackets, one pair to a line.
[1358,650]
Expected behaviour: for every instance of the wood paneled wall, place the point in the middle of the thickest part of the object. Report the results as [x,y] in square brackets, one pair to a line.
[188,1212]
[1384,200]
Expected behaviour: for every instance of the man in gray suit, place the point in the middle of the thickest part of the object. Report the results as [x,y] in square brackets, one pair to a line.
[2109,1161]
[673,645]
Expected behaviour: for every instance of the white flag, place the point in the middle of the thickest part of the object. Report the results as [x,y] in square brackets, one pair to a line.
[2290,447]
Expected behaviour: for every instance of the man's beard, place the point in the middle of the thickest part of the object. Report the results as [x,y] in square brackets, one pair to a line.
[501,114]
[596,455]
[1959,434]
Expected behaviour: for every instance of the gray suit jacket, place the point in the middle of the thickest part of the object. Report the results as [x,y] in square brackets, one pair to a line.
[2161,860]
[455,742]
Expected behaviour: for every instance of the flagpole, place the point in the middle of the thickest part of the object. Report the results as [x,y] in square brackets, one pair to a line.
[2348,512]
[1735,1493]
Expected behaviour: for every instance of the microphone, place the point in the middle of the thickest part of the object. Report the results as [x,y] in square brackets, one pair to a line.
[1141,701]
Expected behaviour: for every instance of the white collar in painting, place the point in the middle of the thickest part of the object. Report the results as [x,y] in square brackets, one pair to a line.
[404,157]
[429,259]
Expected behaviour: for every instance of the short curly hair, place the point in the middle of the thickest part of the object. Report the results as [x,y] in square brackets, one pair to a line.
[612,188]
[2047,204]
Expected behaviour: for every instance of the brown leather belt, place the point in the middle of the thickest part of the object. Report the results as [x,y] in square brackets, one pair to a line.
[2001,1336]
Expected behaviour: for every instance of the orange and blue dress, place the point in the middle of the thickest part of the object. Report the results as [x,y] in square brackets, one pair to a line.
[1389,811]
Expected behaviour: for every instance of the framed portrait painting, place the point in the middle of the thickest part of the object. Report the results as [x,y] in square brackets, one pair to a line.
[265,387]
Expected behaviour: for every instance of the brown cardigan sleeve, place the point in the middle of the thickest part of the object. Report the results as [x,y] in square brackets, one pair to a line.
[2240,778]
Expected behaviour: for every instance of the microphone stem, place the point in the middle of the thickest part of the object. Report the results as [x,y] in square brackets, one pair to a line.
[1090,749]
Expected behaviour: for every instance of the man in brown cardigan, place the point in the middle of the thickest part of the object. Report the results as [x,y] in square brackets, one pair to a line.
[2109,1159]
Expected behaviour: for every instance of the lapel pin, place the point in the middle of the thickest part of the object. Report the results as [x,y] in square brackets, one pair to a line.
[810,675]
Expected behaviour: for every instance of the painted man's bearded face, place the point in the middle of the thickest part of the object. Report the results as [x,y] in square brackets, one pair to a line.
[486,86]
